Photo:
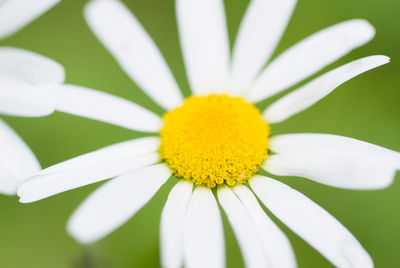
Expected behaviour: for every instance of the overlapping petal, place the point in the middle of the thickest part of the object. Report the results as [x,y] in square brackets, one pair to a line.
[17,161]
[19,98]
[172,222]
[277,248]
[333,160]
[203,236]
[245,232]
[27,83]
[29,66]
[8,183]
[89,168]
[312,223]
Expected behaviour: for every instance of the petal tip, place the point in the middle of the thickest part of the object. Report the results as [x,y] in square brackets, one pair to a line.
[364,27]
[23,198]
[355,254]
[76,233]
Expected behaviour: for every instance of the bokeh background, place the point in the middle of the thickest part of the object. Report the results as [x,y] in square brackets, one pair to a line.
[366,108]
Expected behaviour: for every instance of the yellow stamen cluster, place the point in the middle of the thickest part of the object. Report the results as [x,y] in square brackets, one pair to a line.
[214,139]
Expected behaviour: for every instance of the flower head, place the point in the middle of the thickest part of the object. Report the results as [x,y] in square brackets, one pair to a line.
[214,140]
[217,138]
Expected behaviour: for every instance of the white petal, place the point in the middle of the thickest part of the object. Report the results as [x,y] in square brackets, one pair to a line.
[305,96]
[172,222]
[205,44]
[260,31]
[133,48]
[8,183]
[46,185]
[26,81]
[15,14]
[125,149]
[16,159]
[277,248]
[249,242]
[19,98]
[333,160]
[309,56]
[203,235]
[89,168]
[349,170]
[116,202]
[314,141]
[104,107]
[77,174]
[312,223]
[28,66]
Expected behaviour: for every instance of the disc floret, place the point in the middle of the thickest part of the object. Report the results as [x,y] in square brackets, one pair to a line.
[214,139]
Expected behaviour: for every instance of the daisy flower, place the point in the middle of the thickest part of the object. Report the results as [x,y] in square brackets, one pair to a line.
[24,77]
[217,140]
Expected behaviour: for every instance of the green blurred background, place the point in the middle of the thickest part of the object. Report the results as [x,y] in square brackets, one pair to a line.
[366,108]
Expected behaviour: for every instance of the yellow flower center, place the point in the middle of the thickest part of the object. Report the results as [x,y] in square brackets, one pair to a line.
[214,139]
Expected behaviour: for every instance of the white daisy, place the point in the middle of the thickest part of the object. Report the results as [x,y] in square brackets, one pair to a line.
[213,139]
[23,90]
